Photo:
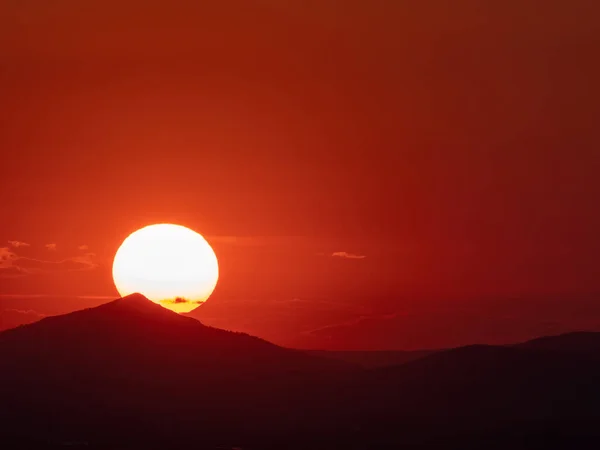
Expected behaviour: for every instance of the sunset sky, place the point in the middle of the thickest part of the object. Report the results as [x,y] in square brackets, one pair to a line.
[371,175]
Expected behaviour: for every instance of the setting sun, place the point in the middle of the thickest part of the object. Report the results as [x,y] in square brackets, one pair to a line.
[170,264]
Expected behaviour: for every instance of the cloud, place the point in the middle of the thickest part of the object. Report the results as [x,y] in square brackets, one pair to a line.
[12,265]
[83,247]
[6,256]
[73,264]
[17,244]
[51,247]
[179,300]
[347,255]
[7,264]
[87,260]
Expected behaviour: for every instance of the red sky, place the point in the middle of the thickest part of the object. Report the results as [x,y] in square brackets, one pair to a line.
[455,147]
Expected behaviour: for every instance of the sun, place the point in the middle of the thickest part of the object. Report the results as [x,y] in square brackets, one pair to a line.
[169,264]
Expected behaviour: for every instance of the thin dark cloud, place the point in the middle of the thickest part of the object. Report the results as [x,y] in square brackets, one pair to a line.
[178,301]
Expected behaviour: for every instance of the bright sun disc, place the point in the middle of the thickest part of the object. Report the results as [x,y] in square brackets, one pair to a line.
[169,264]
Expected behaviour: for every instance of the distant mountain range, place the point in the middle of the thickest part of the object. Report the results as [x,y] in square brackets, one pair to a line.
[131,374]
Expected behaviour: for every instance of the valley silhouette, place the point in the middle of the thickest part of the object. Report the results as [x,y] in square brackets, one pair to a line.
[131,374]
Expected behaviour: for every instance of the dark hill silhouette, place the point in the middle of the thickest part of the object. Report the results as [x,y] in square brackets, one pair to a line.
[131,365]
[131,374]
[134,327]
[582,342]
[484,392]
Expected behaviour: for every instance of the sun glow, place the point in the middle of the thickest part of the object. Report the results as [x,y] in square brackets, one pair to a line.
[169,264]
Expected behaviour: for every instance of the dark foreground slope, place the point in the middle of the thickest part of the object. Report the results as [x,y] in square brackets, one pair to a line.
[130,370]
[375,358]
[130,374]
[522,396]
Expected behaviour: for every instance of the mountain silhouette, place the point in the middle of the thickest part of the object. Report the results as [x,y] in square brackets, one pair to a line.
[131,374]
[483,393]
[135,329]
[582,342]
[133,365]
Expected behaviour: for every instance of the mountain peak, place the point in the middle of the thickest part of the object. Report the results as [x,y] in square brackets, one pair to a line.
[135,299]
[135,295]
[137,303]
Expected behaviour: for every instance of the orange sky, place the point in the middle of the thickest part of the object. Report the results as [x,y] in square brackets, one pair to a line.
[455,148]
